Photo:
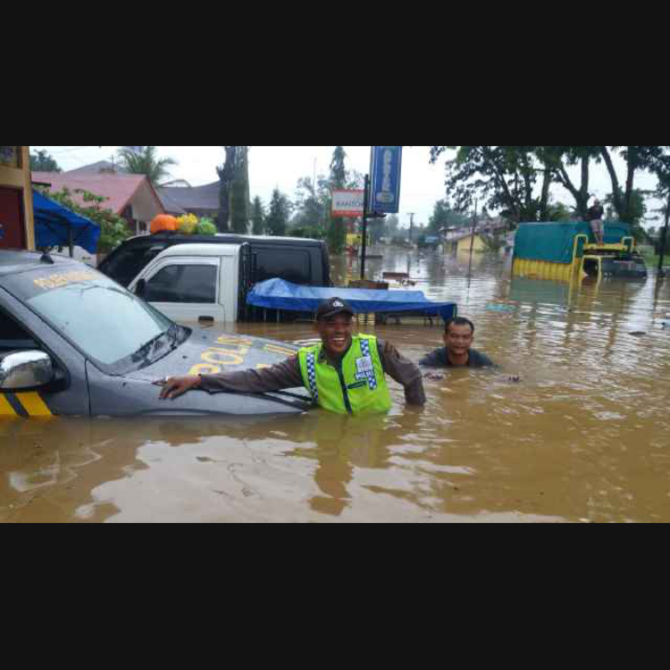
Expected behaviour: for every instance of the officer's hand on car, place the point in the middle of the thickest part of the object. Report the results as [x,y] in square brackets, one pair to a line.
[176,386]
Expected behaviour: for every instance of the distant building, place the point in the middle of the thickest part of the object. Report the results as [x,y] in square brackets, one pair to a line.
[459,240]
[198,200]
[462,242]
[101,167]
[131,196]
[177,197]
[176,183]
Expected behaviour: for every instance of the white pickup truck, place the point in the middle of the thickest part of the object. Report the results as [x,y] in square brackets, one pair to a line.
[196,282]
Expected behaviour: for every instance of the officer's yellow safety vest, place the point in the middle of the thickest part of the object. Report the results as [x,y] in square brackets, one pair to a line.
[359,386]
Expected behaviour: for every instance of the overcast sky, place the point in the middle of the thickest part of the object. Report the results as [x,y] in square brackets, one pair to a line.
[281,167]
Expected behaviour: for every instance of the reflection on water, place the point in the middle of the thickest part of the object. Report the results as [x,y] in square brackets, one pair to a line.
[583,437]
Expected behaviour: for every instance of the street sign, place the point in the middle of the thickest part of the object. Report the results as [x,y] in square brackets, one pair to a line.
[348,203]
[385,175]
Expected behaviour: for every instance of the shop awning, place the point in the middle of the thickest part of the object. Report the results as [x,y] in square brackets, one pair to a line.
[56,226]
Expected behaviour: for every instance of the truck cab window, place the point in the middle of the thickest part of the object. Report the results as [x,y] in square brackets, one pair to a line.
[292,265]
[125,264]
[189,284]
[13,336]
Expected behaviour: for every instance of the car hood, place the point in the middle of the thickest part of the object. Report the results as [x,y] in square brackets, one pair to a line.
[209,351]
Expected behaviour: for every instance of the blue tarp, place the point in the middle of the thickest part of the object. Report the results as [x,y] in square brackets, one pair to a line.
[282,295]
[53,224]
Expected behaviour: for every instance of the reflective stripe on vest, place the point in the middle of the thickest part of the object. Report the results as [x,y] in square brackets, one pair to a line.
[311,376]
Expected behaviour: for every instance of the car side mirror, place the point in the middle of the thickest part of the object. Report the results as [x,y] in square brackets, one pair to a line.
[141,288]
[23,370]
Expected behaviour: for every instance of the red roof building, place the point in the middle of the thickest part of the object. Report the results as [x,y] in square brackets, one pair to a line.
[131,196]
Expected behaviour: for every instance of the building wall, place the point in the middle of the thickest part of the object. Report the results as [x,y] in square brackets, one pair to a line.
[16,202]
[464,245]
[144,206]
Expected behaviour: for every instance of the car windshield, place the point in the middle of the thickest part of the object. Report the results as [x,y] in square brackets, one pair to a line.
[84,305]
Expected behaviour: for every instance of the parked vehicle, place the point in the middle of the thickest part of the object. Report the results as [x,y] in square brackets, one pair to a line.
[74,342]
[197,282]
[566,251]
[298,260]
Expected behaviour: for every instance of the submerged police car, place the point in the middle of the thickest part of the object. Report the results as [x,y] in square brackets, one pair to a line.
[73,342]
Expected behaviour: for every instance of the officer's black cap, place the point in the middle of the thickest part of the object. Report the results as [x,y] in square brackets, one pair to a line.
[333,307]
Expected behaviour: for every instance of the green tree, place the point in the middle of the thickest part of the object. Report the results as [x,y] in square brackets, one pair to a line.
[637,210]
[660,166]
[278,217]
[144,160]
[234,200]
[311,205]
[391,226]
[258,217]
[226,177]
[558,211]
[239,199]
[338,180]
[503,177]
[113,228]
[444,216]
[556,160]
[624,195]
[517,180]
[43,162]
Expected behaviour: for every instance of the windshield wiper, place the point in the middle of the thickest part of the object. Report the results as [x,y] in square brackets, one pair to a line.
[146,353]
[174,332]
[159,346]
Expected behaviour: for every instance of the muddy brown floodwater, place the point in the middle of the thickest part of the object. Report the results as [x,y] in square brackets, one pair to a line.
[584,437]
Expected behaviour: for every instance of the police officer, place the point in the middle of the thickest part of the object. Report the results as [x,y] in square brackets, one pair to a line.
[344,373]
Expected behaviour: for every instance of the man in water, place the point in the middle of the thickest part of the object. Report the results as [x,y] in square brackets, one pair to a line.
[344,373]
[457,352]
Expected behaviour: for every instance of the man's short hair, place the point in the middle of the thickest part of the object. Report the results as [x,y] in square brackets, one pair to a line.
[459,321]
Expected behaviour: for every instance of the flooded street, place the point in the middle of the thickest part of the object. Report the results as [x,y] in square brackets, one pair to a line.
[584,437]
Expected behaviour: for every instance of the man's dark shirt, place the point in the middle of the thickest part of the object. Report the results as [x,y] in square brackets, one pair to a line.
[287,375]
[596,213]
[440,359]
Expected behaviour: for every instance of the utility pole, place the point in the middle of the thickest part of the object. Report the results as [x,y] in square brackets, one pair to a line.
[472,239]
[366,204]
[411,225]
[664,240]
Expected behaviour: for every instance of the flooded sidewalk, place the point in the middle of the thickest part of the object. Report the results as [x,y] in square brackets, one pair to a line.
[584,437]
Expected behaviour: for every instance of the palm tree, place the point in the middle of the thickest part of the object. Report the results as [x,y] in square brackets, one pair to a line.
[143,160]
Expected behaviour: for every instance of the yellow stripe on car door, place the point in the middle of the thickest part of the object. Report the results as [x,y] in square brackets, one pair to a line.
[33,404]
[5,408]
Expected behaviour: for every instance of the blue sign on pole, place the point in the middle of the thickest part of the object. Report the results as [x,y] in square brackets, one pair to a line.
[385,173]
